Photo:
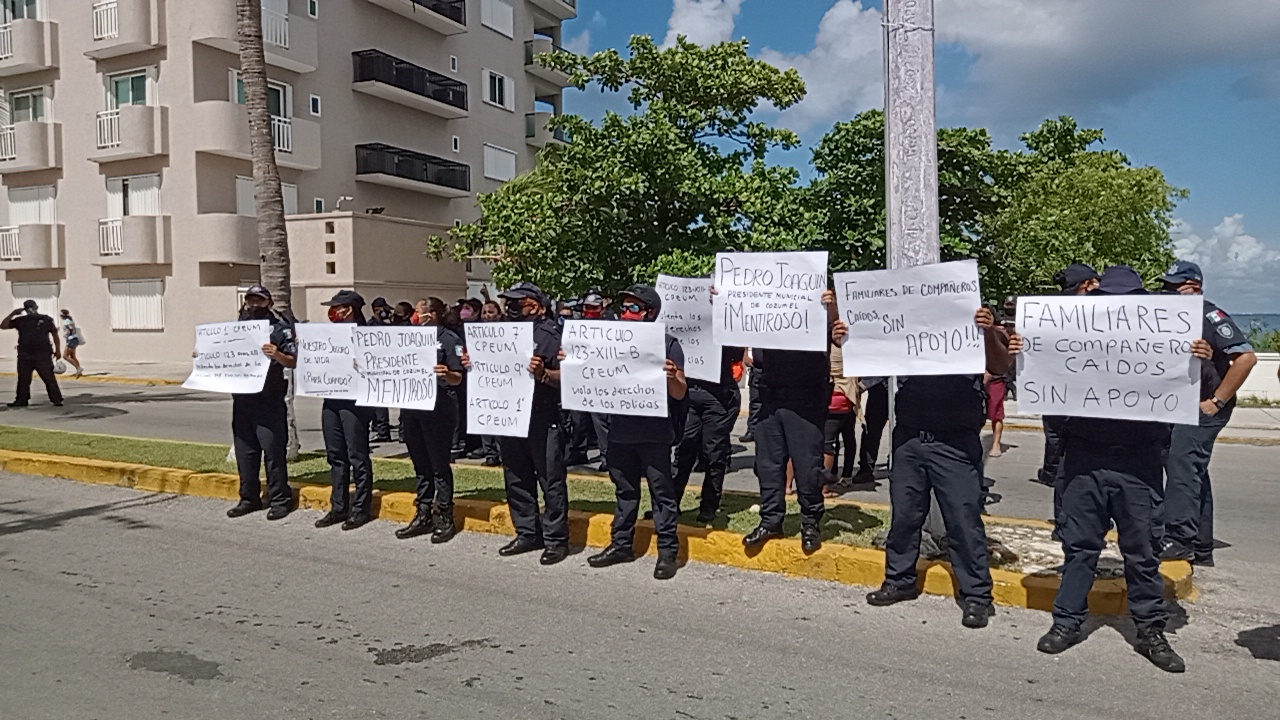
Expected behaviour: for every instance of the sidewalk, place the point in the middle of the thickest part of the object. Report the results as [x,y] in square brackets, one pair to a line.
[1247,423]
[134,373]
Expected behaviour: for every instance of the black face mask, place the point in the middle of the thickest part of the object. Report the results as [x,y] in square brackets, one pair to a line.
[514,312]
[255,313]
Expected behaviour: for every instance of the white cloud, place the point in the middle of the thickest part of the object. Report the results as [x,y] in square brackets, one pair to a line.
[843,73]
[1238,267]
[579,44]
[704,22]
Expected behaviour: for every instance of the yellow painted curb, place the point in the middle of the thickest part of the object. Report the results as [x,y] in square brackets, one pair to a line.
[837,563]
[112,379]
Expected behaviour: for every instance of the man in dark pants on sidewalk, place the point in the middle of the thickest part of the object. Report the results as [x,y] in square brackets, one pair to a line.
[753,399]
[937,448]
[260,421]
[1188,497]
[713,409]
[346,437]
[537,461]
[640,449]
[1110,471]
[429,435]
[875,410]
[38,347]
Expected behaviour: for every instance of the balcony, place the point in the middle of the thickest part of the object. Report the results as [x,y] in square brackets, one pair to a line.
[447,17]
[288,41]
[559,9]
[224,130]
[390,78]
[33,247]
[538,46]
[121,27]
[131,132]
[396,167]
[536,132]
[28,46]
[226,239]
[28,146]
[134,240]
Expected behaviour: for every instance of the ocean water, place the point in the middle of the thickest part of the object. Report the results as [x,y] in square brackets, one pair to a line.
[1266,321]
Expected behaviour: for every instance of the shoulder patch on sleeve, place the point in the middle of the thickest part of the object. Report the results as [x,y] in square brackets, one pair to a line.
[1216,316]
[1226,331]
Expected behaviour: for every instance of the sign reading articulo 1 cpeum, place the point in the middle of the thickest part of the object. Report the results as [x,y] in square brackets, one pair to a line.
[614,367]
[771,300]
[229,357]
[1124,357]
[397,366]
[913,321]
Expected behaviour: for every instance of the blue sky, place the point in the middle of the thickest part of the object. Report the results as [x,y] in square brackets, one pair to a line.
[1189,86]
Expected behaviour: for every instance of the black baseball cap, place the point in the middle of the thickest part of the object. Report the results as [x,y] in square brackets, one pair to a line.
[593,297]
[1074,275]
[259,291]
[346,297]
[381,302]
[645,294]
[1120,280]
[522,290]
[30,304]
[1183,271]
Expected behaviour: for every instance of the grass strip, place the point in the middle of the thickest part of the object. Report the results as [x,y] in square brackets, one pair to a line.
[843,523]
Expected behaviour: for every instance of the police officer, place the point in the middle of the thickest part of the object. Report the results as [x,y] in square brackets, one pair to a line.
[937,447]
[38,346]
[260,421]
[382,315]
[795,390]
[346,437]
[428,434]
[713,409]
[1188,506]
[875,410]
[1110,471]
[538,459]
[1075,279]
[586,426]
[640,447]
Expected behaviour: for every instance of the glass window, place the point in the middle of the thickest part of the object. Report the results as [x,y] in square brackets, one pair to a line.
[128,90]
[497,89]
[26,106]
[275,97]
[21,10]
[313,8]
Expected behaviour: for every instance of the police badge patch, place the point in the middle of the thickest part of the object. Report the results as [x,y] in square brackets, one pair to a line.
[1226,331]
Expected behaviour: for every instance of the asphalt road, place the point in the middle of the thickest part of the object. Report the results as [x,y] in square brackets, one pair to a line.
[118,604]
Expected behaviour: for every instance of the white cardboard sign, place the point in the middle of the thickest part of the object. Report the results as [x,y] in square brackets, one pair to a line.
[912,321]
[686,310]
[614,367]
[229,357]
[396,365]
[1125,357]
[771,300]
[499,384]
[325,365]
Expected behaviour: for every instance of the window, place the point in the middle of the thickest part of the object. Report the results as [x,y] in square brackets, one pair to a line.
[330,248]
[457,144]
[131,88]
[498,15]
[246,203]
[453,63]
[133,195]
[44,293]
[315,105]
[318,204]
[32,205]
[21,10]
[279,96]
[331,268]
[25,106]
[499,90]
[313,8]
[499,163]
[136,304]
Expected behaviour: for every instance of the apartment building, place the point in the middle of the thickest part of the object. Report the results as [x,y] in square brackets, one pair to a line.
[124,151]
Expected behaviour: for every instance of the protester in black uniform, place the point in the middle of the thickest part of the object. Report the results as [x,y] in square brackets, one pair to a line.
[490,311]
[641,447]
[1076,279]
[713,409]
[260,421]
[1110,472]
[346,437]
[1188,503]
[875,415]
[937,447]
[795,390]
[753,398]
[381,424]
[586,427]
[428,434]
[538,460]
[38,347]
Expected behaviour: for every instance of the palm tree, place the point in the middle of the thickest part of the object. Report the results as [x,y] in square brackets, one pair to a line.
[273,236]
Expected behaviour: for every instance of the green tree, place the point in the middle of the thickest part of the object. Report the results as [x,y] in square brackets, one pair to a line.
[659,190]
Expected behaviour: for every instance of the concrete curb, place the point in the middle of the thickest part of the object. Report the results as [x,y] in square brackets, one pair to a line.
[838,563]
[110,379]
[1009,425]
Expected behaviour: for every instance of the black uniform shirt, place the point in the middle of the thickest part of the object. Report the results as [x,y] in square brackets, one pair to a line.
[546,345]
[282,336]
[449,354]
[1106,433]
[33,334]
[941,403]
[1227,341]
[794,372]
[632,429]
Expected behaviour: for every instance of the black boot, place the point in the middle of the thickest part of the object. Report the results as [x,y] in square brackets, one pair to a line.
[666,567]
[612,555]
[1153,646]
[445,529]
[242,508]
[1058,639]
[891,595]
[520,546]
[422,524]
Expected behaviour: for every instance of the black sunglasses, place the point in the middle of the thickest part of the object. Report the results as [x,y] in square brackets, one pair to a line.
[634,307]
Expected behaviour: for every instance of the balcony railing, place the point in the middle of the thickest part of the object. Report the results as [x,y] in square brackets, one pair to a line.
[377,158]
[10,248]
[530,55]
[455,10]
[275,28]
[282,133]
[377,66]
[6,41]
[108,129]
[8,144]
[110,237]
[106,20]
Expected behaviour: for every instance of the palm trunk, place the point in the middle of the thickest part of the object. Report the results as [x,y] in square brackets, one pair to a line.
[273,236]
